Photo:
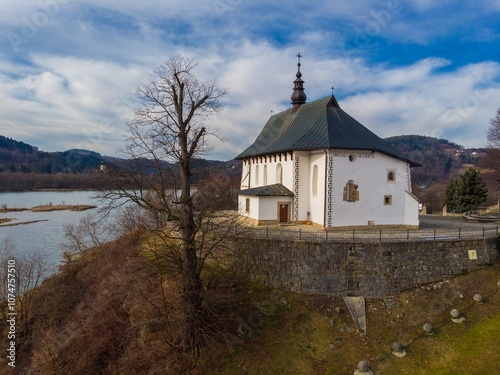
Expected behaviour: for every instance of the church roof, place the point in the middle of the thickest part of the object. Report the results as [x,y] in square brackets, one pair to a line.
[320,124]
[275,190]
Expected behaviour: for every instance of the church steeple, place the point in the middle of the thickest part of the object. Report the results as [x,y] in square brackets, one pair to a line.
[298,96]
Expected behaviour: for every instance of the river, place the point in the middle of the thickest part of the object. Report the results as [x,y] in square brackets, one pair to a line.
[46,236]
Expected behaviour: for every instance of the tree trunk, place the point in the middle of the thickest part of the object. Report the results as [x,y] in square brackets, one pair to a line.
[192,285]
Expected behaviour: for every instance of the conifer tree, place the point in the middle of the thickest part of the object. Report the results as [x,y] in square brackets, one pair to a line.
[451,195]
[471,190]
[466,192]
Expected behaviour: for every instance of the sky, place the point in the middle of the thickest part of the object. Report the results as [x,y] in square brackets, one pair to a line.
[69,69]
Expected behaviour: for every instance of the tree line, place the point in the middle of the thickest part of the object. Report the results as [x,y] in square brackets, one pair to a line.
[469,190]
[10,181]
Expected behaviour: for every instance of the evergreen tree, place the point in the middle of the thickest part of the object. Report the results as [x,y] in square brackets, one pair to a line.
[451,195]
[471,190]
[466,192]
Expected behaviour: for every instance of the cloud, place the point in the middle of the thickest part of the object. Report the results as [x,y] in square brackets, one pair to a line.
[71,99]
[454,104]
[71,81]
[429,97]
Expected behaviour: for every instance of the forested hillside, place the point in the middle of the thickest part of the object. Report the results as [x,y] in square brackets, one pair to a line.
[17,156]
[24,167]
[440,158]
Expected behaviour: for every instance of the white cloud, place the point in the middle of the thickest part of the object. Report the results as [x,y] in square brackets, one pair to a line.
[71,83]
[455,105]
[73,100]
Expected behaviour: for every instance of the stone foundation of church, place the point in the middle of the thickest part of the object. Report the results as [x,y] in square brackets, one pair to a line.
[262,223]
[372,270]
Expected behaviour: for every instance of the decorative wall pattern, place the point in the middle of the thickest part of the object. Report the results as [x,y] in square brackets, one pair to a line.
[329,190]
[357,153]
[408,176]
[295,205]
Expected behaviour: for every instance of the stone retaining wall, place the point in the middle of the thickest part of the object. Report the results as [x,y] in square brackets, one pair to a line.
[372,270]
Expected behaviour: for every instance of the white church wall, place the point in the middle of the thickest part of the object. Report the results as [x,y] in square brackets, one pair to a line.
[316,201]
[272,167]
[411,212]
[263,171]
[262,209]
[287,180]
[246,175]
[268,207]
[381,202]
[253,211]
[302,163]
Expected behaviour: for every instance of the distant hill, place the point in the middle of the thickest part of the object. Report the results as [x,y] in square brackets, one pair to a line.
[16,146]
[18,156]
[25,167]
[440,158]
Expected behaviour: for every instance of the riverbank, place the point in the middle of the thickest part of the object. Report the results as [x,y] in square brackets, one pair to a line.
[20,223]
[62,207]
[49,207]
[12,209]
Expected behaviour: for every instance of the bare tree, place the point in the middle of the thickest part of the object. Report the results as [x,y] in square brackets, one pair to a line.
[91,231]
[29,271]
[493,134]
[492,158]
[168,131]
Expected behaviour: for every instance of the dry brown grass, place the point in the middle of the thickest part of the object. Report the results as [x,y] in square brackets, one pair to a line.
[61,207]
[110,312]
[13,209]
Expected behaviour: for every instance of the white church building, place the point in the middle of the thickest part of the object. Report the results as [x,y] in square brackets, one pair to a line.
[313,163]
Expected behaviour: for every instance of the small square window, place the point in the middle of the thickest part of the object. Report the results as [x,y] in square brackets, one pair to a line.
[391,176]
[387,200]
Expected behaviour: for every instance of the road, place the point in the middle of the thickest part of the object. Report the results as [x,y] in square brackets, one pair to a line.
[450,222]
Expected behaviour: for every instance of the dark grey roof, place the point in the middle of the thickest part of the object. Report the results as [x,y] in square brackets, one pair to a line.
[320,124]
[275,190]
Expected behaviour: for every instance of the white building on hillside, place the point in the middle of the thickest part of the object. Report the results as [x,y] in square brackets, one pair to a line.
[315,163]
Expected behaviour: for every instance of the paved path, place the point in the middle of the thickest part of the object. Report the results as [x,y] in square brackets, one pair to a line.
[450,222]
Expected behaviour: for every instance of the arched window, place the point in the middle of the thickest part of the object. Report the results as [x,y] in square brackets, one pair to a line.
[351,193]
[265,174]
[315,181]
[256,175]
[279,174]
[391,176]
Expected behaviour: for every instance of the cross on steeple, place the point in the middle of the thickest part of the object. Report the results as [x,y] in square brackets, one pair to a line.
[298,95]
[333,88]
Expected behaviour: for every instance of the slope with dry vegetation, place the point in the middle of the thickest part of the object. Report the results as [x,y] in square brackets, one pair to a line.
[111,312]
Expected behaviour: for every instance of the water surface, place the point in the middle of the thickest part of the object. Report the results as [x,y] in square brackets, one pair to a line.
[46,236]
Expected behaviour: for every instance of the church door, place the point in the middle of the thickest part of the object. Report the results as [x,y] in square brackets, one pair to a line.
[283,212]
